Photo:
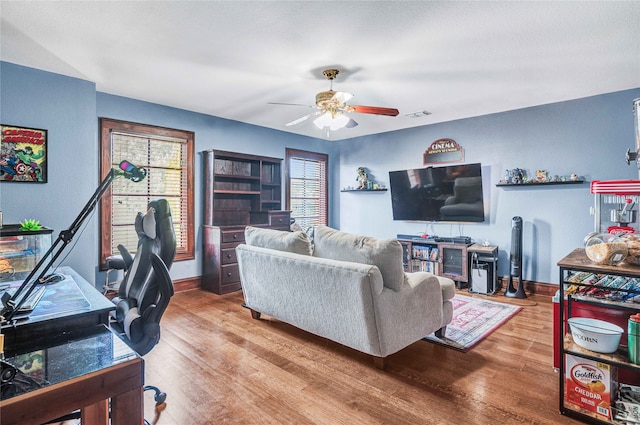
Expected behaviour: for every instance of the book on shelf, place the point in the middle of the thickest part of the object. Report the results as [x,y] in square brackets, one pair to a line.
[421,252]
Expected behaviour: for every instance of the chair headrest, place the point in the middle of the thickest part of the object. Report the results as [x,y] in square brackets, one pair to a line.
[146,224]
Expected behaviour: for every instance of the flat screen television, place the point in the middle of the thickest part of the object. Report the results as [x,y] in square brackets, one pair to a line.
[450,193]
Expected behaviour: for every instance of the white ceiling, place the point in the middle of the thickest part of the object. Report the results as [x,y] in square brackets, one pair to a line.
[230,59]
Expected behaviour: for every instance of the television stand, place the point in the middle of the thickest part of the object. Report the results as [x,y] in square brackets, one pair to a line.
[455,260]
[440,256]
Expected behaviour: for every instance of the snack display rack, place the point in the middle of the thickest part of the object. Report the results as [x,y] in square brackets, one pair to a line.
[614,293]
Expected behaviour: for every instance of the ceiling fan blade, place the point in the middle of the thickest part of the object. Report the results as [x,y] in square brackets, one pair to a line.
[375,110]
[290,104]
[299,120]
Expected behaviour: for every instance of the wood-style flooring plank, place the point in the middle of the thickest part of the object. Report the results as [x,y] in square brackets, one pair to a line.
[218,365]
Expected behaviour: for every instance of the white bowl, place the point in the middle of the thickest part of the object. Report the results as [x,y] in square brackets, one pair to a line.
[595,335]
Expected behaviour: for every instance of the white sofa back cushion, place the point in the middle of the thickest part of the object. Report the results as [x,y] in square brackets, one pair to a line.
[386,254]
[296,242]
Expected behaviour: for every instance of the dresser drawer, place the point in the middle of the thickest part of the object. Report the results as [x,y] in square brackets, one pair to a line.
[228,256]
[229,274]
[279,219]
[233,236]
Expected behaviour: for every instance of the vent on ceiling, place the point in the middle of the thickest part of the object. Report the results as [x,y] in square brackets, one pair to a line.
[418,114]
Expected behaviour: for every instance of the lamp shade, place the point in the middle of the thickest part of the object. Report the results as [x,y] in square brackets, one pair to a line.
[333,122]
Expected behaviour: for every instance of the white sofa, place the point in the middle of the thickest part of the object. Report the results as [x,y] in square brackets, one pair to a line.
[351,289]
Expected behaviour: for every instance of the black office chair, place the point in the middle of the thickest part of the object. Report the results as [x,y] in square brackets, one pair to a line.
[147,287]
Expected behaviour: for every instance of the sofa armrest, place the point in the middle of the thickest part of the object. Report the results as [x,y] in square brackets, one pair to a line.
[411,313]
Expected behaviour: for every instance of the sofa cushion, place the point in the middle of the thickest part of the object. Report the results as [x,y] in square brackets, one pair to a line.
[296,242]
[386,254]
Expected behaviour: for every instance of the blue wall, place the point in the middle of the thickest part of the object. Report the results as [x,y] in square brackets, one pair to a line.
[66,107]
[585,136]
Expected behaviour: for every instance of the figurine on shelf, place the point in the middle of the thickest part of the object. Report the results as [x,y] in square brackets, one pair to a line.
[574,177]
[517,176]
[541,176]
[507,177]
[362,178]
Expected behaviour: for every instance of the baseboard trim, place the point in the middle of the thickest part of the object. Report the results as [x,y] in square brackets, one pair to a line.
[187,284]
[532,287]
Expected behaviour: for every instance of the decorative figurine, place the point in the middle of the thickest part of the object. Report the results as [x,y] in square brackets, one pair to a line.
[517,176]
[541,176]
[574,176]
[507,176]
[363,178]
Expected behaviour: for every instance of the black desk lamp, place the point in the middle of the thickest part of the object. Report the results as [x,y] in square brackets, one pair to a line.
[9,304]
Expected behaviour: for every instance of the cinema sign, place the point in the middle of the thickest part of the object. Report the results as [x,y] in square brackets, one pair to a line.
[442,151]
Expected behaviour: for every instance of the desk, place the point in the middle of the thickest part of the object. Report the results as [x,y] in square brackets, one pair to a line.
[80,372]
[54,315]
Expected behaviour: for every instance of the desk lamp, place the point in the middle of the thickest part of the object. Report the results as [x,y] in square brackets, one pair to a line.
[11,304]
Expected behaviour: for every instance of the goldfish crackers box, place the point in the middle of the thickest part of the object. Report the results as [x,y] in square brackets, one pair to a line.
[590,384]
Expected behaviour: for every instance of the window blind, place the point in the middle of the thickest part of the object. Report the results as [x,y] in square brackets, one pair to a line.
[307,188]
[163,158]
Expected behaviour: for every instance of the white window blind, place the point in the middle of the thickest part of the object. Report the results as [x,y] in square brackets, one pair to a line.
[307,188]
[164,159]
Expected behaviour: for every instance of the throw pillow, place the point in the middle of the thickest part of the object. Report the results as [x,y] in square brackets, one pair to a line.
[386,254]
[296,242]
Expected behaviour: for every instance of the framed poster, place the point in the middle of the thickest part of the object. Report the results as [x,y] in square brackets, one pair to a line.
[23,154]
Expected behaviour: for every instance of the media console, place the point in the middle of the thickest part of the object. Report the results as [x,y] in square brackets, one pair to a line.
[454,257]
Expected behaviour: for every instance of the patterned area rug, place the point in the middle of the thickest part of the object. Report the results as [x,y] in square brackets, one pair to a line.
[473,320]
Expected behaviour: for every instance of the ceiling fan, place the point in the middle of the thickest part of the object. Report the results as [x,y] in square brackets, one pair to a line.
[331,106]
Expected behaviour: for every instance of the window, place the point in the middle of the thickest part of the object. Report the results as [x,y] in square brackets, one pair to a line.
[167,156]
[306,188]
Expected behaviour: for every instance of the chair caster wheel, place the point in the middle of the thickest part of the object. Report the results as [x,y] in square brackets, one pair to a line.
[160,397]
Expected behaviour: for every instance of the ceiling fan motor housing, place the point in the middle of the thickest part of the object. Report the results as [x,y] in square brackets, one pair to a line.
[325,99]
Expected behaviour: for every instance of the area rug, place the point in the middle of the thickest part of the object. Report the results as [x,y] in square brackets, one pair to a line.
[473,320]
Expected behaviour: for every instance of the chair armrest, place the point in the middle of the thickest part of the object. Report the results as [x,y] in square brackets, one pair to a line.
[126,256]
[165,289]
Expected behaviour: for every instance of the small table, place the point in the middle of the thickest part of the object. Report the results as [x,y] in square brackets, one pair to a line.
[82,371]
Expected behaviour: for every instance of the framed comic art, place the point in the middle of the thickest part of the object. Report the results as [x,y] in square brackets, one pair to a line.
[23,154]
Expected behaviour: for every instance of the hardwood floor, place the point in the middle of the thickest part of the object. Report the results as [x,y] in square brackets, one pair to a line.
[218,365]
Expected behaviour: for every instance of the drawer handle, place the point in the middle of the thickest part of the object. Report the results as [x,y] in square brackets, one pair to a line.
[280,220]
[228,274]
[235,236]
[228,255]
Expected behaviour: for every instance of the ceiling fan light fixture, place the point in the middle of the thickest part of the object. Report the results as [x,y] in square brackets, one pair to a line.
[334,122]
